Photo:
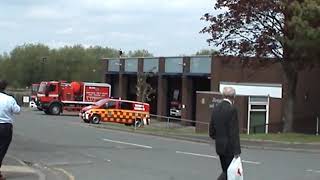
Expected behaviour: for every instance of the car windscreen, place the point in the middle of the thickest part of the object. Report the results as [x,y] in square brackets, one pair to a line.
[100,102]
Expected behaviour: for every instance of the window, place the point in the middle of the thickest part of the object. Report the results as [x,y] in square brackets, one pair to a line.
[151,64]
[114,65]
[263,107]
[51,88]
[111,105]
[131,65]
[174,65]
[126,105]
[200,65]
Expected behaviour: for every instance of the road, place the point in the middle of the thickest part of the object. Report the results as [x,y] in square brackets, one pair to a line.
[88,153]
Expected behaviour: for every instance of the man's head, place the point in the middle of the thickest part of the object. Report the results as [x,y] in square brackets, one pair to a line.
[3,85]
[229,93]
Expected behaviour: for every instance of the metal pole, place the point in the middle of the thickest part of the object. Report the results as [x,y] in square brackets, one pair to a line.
[317,132]
[135,124]
[168,121]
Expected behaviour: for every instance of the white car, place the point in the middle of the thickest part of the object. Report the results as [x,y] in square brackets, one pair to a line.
[175,112]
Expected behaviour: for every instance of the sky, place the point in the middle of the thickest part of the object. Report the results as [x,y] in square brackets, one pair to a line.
[163,27]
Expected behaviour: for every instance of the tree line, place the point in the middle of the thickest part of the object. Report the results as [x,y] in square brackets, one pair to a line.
[30,63]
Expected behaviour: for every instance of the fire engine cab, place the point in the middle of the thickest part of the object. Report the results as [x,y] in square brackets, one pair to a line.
[57,96]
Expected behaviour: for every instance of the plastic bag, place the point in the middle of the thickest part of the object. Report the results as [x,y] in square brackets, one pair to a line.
[235,171]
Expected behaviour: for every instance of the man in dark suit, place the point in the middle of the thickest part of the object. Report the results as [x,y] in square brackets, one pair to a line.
[224,128]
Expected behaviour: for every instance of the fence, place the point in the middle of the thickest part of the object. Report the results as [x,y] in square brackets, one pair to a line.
[175,123]
[18,95]
[166,126]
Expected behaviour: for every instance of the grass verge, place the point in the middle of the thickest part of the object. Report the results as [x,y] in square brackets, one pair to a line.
[189,132]
[284,137]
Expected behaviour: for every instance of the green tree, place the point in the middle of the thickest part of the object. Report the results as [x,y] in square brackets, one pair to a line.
[144,90]
[286,30]
[207,52]
[140,53]
[31,63]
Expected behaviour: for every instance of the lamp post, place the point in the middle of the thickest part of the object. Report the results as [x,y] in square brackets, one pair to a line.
[120,85]
[43,60]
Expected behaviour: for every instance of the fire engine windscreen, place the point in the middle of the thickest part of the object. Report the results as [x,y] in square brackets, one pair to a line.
[42,88]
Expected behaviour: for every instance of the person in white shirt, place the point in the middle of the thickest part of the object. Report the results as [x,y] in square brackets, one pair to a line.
[8,107]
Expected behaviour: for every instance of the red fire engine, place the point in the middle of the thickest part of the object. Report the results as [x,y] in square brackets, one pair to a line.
[56,96]
[34,91]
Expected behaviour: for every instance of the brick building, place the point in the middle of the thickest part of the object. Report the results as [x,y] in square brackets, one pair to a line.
[195,81]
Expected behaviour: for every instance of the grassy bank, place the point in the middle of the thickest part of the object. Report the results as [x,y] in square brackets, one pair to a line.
[286,137]
[190,132]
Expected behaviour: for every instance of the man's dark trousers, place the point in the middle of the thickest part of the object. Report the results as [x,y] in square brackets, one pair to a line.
[225,162]
[5,139]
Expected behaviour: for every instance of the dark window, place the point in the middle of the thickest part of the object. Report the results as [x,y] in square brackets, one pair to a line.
[258,107]
[111,105]
[126,105]
[52,87]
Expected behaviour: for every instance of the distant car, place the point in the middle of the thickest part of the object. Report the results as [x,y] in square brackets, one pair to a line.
[175,112]
[117,111]
[32,104]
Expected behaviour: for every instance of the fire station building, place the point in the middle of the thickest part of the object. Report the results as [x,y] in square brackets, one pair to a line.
[193,84]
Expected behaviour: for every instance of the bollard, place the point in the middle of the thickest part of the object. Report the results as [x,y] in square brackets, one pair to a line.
[168,121]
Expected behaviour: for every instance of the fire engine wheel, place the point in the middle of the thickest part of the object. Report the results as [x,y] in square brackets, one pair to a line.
[55,109]
[138,123]
[86,121]
[95,119]
[46,111]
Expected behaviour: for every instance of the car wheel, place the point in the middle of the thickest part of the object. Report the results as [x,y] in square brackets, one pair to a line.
[138,123]
[95,119]
[55,109]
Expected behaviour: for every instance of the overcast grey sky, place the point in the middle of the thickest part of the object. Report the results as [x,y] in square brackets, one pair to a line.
[164,27]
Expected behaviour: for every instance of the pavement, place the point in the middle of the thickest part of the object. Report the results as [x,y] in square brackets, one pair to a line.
[14,168]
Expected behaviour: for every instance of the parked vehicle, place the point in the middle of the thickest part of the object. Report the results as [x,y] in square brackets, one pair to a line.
[34,99]
[57,96]
[175,104]
[34,91]
[117,111]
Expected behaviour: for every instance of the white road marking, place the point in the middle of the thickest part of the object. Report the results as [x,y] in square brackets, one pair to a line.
[21,169]
[214,157]
[195,154]
[65,163]
[69,175]
[313,171]
[126,143]
[251,162]
[91,156]
[108,160]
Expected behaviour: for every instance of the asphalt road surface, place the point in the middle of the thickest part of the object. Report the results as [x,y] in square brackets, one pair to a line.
[89,153]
